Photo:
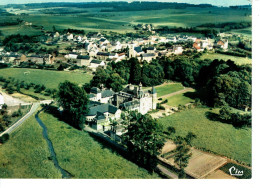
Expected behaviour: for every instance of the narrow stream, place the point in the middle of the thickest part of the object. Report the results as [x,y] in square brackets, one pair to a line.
[65,174]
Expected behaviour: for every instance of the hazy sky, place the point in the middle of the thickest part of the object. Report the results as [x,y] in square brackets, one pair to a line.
[214,2]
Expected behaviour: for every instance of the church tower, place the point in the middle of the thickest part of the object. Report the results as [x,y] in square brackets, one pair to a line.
[154,97]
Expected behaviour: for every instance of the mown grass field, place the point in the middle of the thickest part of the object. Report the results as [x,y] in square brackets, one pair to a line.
[214,136]
[26,154]
[237,60]
[180,99]
[51,79]
[168,88]
[84,157]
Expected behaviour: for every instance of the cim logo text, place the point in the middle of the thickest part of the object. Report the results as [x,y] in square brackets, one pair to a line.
[235,172]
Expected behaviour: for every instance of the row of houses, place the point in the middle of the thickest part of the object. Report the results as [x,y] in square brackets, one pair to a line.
[16,58]
[202,44]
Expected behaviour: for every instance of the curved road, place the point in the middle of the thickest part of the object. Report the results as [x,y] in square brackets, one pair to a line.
[20,121]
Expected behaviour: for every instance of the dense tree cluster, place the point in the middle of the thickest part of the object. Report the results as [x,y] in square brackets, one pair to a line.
[26,44]
[128,71]
[226,83]
[143,139]
[209,32]
[221,82]
[227,26]
[237,119]
[73,100]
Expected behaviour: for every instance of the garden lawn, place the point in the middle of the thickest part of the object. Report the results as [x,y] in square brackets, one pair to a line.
[26,154]
[50,79]
[83,157]
[180,99]
[168,88]
[215,136]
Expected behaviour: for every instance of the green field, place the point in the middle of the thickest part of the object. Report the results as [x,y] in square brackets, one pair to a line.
[26,154]
[120,21]
[83,157]
[180,99]
[50,79]
[237,60]
[214,136]
[168,88]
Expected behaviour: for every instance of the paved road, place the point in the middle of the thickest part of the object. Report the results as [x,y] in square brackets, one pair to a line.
[20,121]
[176,93]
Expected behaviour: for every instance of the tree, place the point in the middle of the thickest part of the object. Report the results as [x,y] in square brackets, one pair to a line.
[143,139]
[136,71]
[152,74]
[115,82]
[182,153]
[4,138]
[73,100]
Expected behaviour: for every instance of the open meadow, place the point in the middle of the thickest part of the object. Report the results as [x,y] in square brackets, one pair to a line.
[237,60]
[51,79]
[168,88]
[220,138]
[26,154]
[180,99]
[84,157]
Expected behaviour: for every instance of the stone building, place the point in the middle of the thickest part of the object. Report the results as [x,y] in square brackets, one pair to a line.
[106,105]
[134,98]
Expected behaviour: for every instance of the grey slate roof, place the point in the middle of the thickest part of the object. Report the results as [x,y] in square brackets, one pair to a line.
[107,93]
[130,104]
[83,57]
[138,49]
[149,55]
[103,53]
[150,48]
[91,95]
[103,108]
[94,90]
[95,61]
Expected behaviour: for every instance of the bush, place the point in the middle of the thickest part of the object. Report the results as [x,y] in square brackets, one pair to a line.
[159,106]
[171,130]
[15,114]
[237,119]
[4,138]
[165,101]
[60,68]
[182,174]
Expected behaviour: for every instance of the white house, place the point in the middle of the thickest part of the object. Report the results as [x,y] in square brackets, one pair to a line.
[94,64]
[70,36]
